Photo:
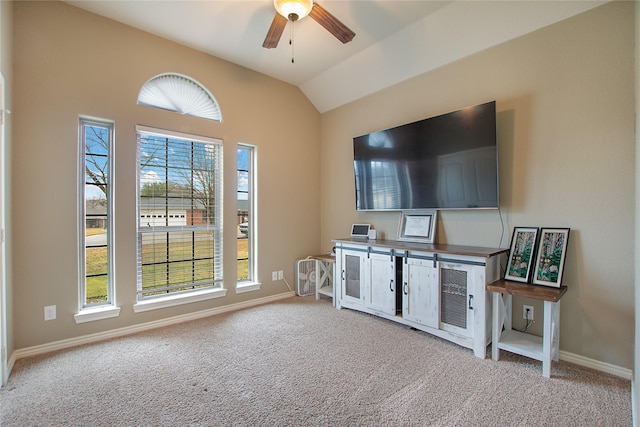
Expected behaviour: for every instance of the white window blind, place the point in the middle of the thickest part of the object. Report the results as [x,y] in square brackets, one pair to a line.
[182,94]
[179,212]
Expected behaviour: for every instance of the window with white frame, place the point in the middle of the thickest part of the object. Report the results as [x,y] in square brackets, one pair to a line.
[96,229]
[179,213]
[246,259]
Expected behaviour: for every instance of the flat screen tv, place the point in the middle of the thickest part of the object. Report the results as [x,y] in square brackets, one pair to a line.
[444,162]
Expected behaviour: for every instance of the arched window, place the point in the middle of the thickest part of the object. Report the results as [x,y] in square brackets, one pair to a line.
[182,94]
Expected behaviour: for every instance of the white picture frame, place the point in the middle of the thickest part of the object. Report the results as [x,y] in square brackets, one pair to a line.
[417,226]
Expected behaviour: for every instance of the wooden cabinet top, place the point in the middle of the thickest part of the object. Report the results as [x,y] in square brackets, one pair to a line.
[526,290]
[475,251]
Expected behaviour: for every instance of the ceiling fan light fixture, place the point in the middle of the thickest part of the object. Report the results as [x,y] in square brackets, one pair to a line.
[298,8]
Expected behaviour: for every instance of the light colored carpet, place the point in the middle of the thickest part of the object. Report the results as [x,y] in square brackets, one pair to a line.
[301,362]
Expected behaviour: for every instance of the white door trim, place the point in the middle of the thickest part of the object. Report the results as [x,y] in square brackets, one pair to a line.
[4,367]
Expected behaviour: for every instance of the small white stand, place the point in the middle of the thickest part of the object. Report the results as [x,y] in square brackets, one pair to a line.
[545,348]
[325,265]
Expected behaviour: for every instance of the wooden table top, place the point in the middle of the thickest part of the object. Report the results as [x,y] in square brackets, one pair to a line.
[544,293]
[324,257]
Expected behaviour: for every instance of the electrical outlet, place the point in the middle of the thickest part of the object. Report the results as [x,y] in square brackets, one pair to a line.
[280,275]
[50,312]
[274,276]
[529,312]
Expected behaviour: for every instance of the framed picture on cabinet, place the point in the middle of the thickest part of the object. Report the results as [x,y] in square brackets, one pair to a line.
[552,250]
[521,254]
[417,226]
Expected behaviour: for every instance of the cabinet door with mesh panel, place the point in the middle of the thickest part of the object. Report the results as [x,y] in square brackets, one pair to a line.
[352,279]
[457,297]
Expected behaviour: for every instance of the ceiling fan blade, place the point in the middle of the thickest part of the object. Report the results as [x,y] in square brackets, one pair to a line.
[331,23]
[275,31]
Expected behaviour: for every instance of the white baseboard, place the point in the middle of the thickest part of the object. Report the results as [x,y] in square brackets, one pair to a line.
[115,333]
[608,368]
[128,330]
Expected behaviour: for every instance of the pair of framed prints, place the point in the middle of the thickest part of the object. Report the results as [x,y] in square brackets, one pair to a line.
[537,255]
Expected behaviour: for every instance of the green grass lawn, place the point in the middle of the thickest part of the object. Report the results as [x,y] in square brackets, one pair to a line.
[182,270]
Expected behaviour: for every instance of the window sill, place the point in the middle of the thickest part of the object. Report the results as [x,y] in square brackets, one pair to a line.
[178,299]
[97,313]
[243,287]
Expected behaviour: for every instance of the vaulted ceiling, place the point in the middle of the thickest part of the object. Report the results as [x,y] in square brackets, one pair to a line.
[395,40]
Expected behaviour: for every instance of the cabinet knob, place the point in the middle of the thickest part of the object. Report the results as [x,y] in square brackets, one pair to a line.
[470,301]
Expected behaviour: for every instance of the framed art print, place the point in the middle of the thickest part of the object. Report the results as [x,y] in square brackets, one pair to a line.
[419,227]
[521,254]
[552,250]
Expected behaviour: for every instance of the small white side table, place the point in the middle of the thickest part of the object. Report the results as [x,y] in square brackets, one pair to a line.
[545,348]
[325,265]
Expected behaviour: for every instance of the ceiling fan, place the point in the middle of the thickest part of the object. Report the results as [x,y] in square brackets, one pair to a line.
[294,10]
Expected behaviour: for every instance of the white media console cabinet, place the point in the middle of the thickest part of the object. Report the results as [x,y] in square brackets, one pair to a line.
[439,289]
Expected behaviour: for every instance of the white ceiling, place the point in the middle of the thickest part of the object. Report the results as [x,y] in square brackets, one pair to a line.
[395,39]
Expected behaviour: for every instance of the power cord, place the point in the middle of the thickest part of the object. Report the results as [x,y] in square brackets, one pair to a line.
[503,268]
[501,227]
[287,283]
[529,323]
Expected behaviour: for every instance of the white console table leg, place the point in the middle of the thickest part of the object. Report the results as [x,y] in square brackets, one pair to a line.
[502,309]
[497,322]
[546,340]
[550,336]
[555,330]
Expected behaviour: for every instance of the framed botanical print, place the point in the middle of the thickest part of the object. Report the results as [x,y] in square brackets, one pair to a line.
[552,251]
[521,254]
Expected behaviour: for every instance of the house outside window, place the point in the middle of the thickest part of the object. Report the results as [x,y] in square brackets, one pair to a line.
[246,218]
[96,264]
[180,214]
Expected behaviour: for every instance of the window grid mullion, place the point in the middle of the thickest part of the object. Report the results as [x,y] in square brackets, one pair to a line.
[195,220]
[193,249]
[245,170]
[96,259]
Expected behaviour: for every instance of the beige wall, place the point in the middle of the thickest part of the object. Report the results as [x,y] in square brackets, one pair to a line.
[565,100]
[565,117]
[69,63]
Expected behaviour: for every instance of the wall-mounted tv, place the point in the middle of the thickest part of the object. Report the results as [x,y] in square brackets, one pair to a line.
[444,162]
